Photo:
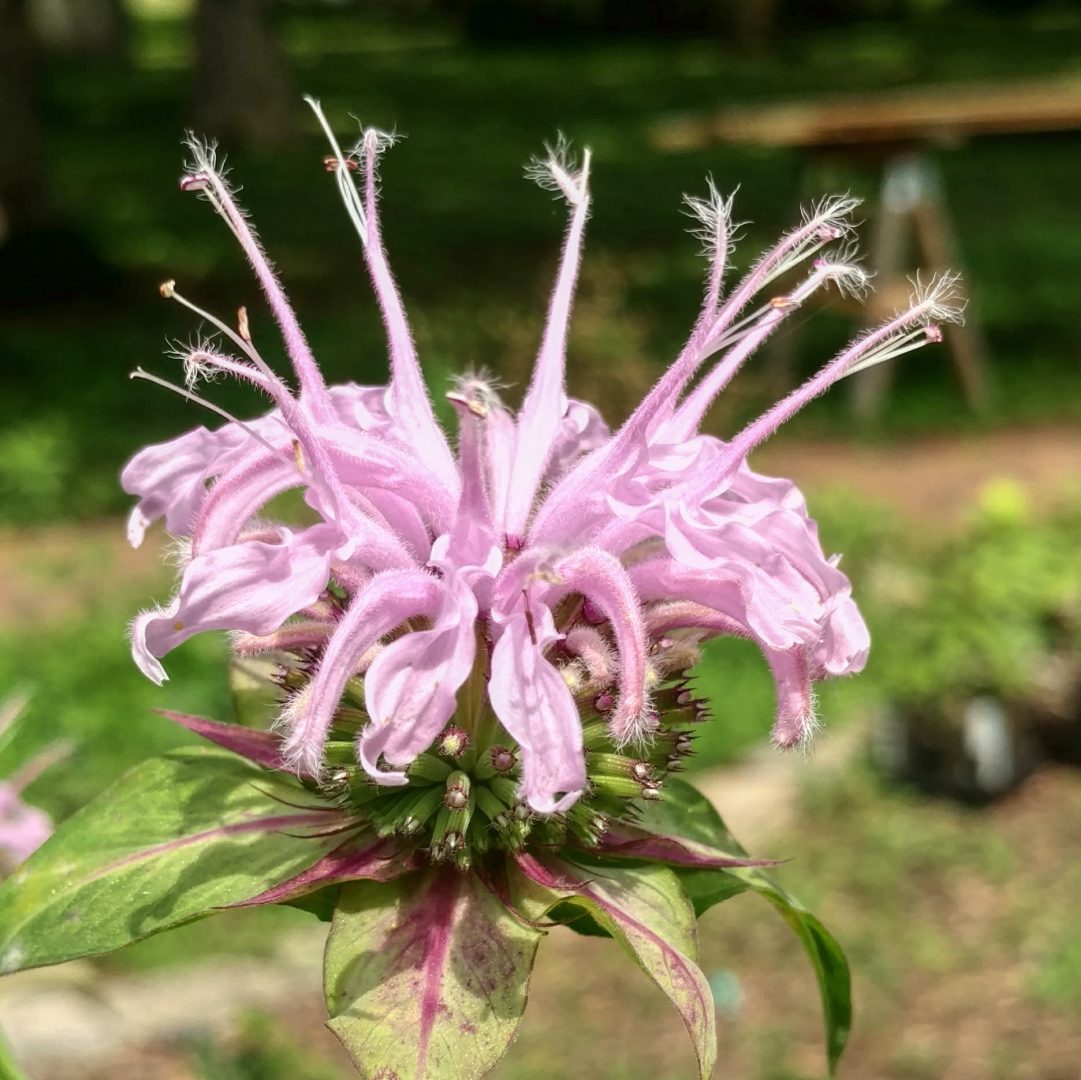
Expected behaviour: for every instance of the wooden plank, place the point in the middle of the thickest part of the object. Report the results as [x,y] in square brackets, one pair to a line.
[932,113]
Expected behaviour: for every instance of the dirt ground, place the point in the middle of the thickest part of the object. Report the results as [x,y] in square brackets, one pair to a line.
[936,478]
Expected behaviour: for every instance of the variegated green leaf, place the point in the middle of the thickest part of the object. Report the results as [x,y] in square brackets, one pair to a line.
[426,976]
[176,838]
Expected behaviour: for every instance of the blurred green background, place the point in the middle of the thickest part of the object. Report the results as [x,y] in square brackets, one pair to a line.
[961,529]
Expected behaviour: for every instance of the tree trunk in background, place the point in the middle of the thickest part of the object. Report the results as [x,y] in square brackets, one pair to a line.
[242,90]
[92,27]
[754,24]
[24,201]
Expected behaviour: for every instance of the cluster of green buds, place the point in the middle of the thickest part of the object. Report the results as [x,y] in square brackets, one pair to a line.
[462,799]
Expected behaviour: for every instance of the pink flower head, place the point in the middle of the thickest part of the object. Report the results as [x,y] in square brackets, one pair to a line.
[23,828]
[543,577]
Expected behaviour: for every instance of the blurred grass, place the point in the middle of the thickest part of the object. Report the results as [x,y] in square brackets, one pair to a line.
[474,246]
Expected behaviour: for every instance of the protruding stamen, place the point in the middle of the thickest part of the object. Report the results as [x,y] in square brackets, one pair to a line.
[218,193]
[408,394]
[187,393]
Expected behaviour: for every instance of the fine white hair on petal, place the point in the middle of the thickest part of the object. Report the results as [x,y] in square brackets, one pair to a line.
[374,140]
[205,162]
[848,276]
[809,726]
[642,728]
[713,212]
[832,210]
[178,552]
[940,297]
[305,758]
[196,356]
[560,172]
[480,387]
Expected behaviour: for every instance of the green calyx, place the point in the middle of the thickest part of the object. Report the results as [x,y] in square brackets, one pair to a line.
[461,802]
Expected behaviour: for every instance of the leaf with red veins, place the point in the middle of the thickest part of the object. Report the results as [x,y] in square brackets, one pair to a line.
[176,838]
[686,813]
[258,746]
[362,858]
[646,911]
[426,976]
[630,842]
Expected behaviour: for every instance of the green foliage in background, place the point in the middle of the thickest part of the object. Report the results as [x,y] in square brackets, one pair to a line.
[474,247]
[986,611]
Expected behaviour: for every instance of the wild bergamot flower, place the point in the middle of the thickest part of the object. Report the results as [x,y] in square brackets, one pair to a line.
[483,650]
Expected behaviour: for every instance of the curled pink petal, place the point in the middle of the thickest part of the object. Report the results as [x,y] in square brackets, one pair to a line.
[535,706]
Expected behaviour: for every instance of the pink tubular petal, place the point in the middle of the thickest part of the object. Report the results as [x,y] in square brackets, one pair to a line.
[664,617]
[545,402]
[535,706]
[581,431]
[403,519]
[845,642]
[250,485]
[694,408]
[369,464]
[602,580]
[411,688]
[239,495]
[759,430]
[746,595]
[795,723]
[556,516]
[170,478]
[291,637]
[252,586]
[500,437]
[591,647]
[714,213]
[472,536]
[407,396]
[387,601]
[361,407]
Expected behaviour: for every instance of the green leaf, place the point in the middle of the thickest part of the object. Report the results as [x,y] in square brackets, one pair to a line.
[172,840]
[9,1067]
[426,976]
[826,955]
[321,904]
[707,888]
[685,811]
[646,911]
